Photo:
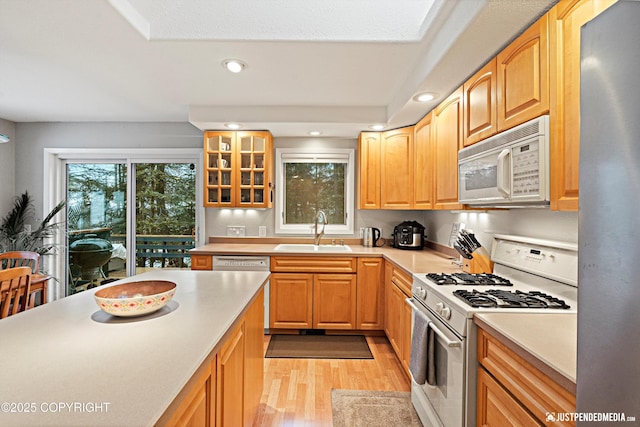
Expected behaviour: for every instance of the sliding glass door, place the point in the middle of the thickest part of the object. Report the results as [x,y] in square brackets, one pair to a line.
[165,215]
[128,217]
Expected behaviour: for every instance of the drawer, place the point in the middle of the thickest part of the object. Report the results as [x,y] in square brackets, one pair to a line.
[201,262]
[313,264]
[533,388]
[402,280]
[496,407]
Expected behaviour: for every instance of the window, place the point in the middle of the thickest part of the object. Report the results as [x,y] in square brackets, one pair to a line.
[308,181]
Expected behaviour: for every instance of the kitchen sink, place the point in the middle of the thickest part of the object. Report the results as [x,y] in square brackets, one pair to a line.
[308,247]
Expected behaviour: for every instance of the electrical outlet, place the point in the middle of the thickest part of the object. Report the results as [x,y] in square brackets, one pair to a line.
[235,230]
[361,232]
[262,231]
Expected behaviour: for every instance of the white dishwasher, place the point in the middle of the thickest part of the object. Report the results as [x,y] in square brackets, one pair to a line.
[246,263]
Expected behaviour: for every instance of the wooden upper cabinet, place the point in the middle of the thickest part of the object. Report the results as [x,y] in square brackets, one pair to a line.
[424,149]
[480,107]
[447,118]
[369,170]
[396,167]
[523,76]
[238,169]
[566,18]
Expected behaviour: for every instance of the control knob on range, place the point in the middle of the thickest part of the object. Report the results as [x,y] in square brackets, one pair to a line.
[443,310]
[421,292]
[446,313]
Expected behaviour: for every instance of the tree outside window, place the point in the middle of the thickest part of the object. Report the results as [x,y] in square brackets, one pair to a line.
[307,182]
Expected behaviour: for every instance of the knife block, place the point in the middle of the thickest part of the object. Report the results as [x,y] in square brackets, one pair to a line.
[480,263]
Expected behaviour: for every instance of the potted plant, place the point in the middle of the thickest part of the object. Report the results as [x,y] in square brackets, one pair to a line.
[15,236]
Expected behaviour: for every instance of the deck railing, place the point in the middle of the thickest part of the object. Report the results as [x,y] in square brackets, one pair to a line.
[169,251]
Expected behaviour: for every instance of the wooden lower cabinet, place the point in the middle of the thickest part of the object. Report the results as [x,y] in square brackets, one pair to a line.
[230,387]
[201,262]
[254,359]
[498,408]
[312,301]
[406,335]
[324,292]
[511,391]
[370,294]
[291,301]
[398,313]
[334,301]
[195,408]
[226,390]
[393,327]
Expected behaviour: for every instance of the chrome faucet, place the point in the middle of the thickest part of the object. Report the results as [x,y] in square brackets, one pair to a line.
[316,239]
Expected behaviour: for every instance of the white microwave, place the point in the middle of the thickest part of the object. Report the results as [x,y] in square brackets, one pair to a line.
[510,169]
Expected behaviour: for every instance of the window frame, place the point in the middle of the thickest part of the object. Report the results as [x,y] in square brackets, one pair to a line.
[324,155]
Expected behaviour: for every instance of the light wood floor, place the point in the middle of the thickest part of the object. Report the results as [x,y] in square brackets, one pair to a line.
[297,392]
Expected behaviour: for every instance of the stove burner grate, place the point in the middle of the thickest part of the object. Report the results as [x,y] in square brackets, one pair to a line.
[498,298]
[481,279]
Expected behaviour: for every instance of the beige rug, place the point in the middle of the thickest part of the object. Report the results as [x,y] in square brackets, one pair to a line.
[362,408]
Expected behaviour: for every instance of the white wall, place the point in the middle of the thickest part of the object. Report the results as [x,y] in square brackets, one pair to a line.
[31,139]
[540,223]
[7,167]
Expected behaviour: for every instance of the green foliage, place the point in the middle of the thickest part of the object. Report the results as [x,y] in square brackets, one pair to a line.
[165,202]
[312,187]
[14,236]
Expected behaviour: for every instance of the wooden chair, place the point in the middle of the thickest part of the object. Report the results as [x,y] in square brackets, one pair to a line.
[15,290]
[20,259]
[25,259]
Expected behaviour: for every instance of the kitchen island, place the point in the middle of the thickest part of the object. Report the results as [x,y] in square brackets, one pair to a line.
[68,363]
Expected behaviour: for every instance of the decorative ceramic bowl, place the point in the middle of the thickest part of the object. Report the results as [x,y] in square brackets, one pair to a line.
[135,298]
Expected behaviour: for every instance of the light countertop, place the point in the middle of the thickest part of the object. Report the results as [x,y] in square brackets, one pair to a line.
[546,340]
[412,261]
[69,363]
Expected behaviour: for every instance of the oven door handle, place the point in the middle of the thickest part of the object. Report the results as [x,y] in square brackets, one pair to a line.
[448,342]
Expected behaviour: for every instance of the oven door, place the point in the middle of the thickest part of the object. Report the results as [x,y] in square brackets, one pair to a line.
[441,404]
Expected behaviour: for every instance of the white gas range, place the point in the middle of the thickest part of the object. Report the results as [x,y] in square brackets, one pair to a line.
[529,275]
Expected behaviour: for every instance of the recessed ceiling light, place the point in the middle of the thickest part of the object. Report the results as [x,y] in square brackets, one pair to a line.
[314,133]
[376,127]
[232,125]
[234,65]
[424,97]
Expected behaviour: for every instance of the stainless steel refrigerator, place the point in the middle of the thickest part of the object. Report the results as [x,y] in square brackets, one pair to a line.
[608,370]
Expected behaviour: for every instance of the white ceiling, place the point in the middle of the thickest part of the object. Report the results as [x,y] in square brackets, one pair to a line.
[336,66]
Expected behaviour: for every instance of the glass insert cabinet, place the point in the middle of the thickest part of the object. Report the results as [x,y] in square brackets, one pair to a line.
[238,169]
